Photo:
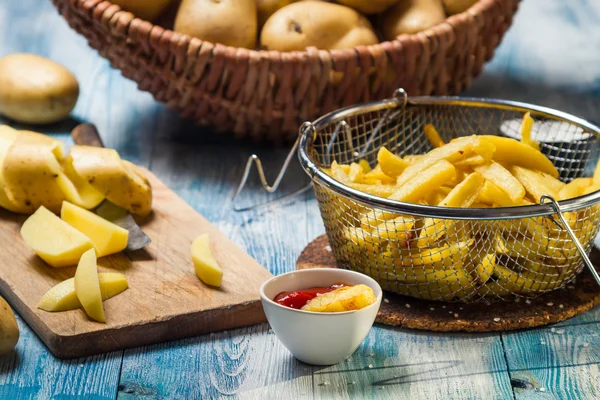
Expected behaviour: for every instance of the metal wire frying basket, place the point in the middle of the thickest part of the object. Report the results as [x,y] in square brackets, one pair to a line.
[478,254]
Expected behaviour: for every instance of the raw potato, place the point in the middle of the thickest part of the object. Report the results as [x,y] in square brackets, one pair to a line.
[87,286]
[412,16]
[118,180]
[36,90]
[77,190]
[62,297]
[229,22]
[317,24]
[369,6]
[207,268]
[31,172]
[107,237]
[9,329]
[266,8]
[7,137]
[53,240]
[347,298]
[457,6]
[145,9]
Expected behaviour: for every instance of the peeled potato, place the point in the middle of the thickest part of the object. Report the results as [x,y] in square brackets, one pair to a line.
[412,16]
[36,90]
[107,237]
[207,268]
[53,240]
[62,297]
[118,180]
[316,24]
[87,286]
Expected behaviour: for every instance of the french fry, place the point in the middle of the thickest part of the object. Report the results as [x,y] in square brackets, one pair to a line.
[449,285]
[575,188]
[446,256]
[533,182]
[502,178]
[356,173]
[390,164]
[491,195]
[526,126]
[517,283]
[513,152]
[433,136]
[377,175]
[484,270]
[376,190]
[456,150]
[470,162]
[339,172]
[552,182]
[416,188]
[365,166]
[462,196]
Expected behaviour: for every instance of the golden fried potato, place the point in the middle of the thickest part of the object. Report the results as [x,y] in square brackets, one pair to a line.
[347,298]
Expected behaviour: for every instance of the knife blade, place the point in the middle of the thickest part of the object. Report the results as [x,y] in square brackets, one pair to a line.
[87,135]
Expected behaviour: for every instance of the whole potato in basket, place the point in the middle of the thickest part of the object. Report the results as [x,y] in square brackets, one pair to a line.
[411,16]
[316,24]
[457,6]
[369,6]
[229,22]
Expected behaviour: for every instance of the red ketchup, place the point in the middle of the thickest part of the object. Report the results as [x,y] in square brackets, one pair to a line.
[298,298]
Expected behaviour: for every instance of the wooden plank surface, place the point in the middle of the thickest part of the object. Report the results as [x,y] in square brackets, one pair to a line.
[548,57]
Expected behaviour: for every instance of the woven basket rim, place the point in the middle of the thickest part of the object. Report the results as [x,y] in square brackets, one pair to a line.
[336,54]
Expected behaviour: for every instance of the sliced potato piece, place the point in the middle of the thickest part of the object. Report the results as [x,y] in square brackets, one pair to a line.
[107,237]
[346,298]
[53,240]
[502,178]
[207,268]
[118,180]
[82,193]
[87,286]
[62,297]
[513,152]
[390,164]
[533,182]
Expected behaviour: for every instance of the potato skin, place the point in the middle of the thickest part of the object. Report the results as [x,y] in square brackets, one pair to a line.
[412,16]
[229,22]
[9,330]
[323,25]
[457,6]
[35,90]
[369,6]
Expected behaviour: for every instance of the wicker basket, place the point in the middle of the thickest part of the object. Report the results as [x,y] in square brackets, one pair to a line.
[267,94]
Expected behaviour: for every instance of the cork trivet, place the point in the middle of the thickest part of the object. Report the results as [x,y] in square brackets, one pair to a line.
[409,312]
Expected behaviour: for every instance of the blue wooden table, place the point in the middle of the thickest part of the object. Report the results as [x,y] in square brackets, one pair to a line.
[550,57]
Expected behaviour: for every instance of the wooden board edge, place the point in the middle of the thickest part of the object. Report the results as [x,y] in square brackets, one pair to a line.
[184,326]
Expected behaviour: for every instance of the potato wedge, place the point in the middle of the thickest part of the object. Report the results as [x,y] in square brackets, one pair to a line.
[53,240]
[207,268]
[502,178]
[346,298]
[87,286]
[516,153]
[62,297]
[119,181]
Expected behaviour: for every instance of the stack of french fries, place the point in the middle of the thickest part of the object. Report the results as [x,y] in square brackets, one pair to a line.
[445,259]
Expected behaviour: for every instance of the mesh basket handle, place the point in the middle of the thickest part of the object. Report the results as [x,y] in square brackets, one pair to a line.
[547,199]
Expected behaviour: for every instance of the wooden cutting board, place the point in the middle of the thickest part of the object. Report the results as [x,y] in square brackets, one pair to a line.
[165,299]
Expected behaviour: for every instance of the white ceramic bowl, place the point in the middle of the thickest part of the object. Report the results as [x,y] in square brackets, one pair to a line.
[318,338]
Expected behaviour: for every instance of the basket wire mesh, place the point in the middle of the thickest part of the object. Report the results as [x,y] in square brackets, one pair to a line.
[465,255]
